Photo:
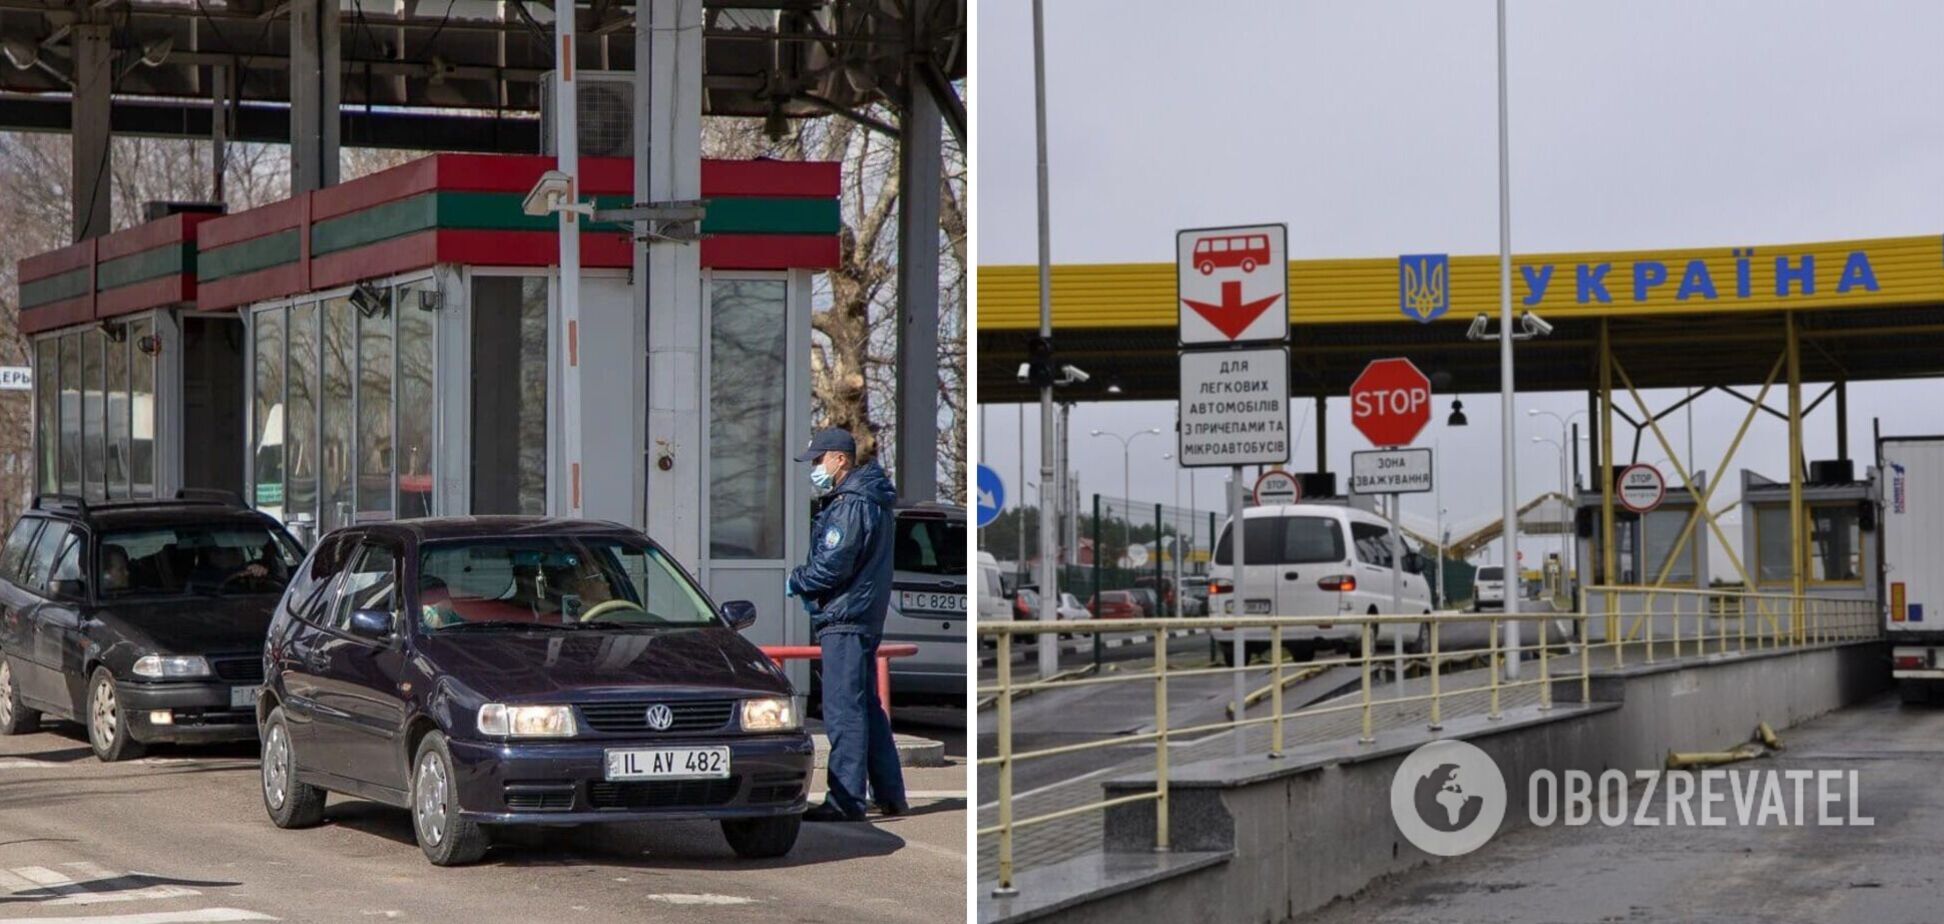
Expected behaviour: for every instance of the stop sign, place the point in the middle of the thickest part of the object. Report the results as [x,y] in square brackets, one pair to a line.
[1390,402]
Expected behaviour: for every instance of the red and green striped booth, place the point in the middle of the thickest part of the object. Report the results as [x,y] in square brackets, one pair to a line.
[144,267]
[465,209]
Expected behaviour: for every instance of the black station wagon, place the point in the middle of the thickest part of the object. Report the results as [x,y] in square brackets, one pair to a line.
[495,671]
[142,620]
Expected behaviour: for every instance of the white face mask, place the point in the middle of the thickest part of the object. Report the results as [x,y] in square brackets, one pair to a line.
[820,479]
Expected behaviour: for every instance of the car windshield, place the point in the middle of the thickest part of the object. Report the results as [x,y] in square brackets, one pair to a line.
[555,581]
[223,559]
[930,545]
[1491,573]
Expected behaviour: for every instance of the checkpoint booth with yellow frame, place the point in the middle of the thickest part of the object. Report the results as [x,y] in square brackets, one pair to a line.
[1755,324]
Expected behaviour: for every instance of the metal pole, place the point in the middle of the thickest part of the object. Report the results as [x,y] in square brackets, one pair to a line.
[1049,651]
[1019,560]
[1798,538]
[1397,600]
[1236,533]
[1100,601]
[567,148]
[1437,482]
[1507,443]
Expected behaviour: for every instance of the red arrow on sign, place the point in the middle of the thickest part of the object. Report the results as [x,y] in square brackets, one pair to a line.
[1233,315]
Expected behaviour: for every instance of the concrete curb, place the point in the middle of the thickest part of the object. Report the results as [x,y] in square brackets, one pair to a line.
[913,751]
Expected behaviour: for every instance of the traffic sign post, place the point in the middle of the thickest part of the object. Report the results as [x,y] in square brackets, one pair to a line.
[1232,285]
[1277,487]
[1642,488]
[992,497]
[1232,288]
[1390,402]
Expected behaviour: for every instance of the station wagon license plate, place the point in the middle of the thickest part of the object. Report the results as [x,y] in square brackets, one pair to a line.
[668,763]
[243,697]
[1258,607]
[930,602]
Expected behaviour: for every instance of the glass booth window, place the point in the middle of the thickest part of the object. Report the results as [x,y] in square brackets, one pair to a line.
[116,363]
[300,418]
[374,444]
[1772,540]
[748,397]
[416,401]
[141,409]
[1835,544]
[267,416]
[1660,528]
[71,414]
[334,414]
[94,454]
[47,412]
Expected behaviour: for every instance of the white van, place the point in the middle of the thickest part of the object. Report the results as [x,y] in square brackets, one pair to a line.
[1488,587]
[992,593]
[1315,560]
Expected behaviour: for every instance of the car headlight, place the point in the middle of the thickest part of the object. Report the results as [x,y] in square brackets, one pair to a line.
[776,713]
[503,721]
[160,667]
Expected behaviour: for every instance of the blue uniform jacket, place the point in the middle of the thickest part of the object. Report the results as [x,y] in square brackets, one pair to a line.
[847,581]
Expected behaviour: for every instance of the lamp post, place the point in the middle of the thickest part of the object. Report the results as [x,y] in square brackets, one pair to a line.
[1127,524]
[1508,438]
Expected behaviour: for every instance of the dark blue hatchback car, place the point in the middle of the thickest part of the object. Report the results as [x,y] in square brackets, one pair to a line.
[493,671]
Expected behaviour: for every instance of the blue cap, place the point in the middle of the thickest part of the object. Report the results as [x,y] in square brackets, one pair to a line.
[830,440]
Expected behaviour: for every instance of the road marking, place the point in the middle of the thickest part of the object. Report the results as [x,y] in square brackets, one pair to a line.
[934,794]
[199,916]
[25,763]
[33,882]
[704,898]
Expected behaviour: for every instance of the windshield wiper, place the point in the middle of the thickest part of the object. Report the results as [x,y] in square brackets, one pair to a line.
[502,624]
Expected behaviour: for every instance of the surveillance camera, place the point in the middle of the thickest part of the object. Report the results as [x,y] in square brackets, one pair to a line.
[1477,329]
[1535,324]
[1025,375]
[1074,374]
[546,196]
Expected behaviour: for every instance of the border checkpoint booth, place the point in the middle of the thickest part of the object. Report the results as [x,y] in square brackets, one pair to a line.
[389,348]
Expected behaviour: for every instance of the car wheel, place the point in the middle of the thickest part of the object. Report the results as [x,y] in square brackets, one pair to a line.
[1226,652]
[15,717]
[291,804]
[447,838]
[762,838]
[107,724]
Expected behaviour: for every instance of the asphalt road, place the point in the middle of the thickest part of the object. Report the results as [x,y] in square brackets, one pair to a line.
[1890,872]
[181,836]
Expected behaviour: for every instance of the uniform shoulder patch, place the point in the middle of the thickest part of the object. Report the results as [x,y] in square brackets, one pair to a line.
[832,537]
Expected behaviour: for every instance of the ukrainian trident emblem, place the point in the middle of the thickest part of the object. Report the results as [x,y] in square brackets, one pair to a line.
[1421,289]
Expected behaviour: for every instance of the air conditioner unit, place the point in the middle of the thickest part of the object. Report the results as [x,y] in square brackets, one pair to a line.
[606,113]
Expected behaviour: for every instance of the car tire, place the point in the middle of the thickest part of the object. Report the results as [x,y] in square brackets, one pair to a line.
[1914,692]
[762,838]
[446,838]
[1225,651]
[15,717]
[291,803]
[107,722]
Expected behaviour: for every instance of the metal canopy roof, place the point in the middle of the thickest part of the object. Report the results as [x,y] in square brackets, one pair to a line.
[1865,309]
[450,74]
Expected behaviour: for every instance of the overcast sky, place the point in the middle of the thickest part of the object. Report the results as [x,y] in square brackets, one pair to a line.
[1370,128]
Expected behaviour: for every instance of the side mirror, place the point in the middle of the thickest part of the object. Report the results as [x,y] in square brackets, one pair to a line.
[373,624]
[71,588]
[740,613]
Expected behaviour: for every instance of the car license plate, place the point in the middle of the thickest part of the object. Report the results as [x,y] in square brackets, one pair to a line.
[1258,607]
[931,602]
[668,763]
[243,697]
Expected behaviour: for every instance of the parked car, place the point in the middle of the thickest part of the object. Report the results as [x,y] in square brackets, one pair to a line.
[1026,603]
[1071,608]
[1163,591]
[928,603]
[1316,560]
[142,620]
[992,590]
[1488,588]
[1114,604]
[1194,595]
[493,671]
[1149,601]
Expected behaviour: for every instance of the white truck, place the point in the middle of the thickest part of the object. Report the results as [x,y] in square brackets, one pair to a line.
[1911,470]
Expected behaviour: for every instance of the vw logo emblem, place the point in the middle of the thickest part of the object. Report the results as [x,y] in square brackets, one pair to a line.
[660,717]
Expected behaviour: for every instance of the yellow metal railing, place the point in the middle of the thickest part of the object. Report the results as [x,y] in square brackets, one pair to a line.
[1655,623]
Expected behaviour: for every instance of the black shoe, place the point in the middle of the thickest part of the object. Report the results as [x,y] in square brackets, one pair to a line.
[893,809]
[828,812]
